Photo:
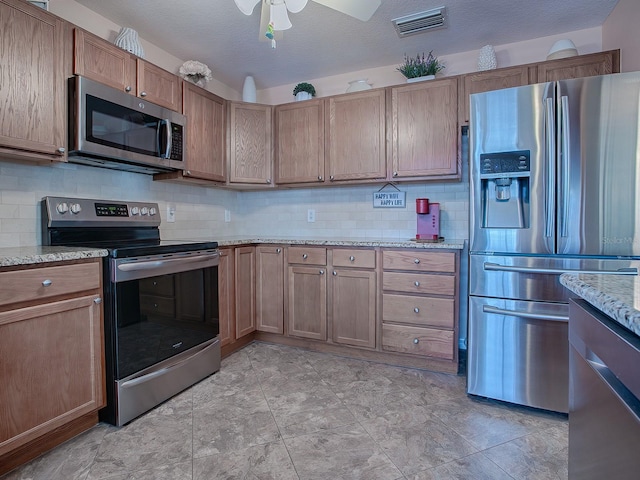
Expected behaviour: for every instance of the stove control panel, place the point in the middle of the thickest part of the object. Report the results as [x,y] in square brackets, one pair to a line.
[61,211]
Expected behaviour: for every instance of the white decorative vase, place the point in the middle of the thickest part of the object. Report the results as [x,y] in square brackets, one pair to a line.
[249,90]
[358,85]
[420,79]
[303,96]
[487,58]
[128,40]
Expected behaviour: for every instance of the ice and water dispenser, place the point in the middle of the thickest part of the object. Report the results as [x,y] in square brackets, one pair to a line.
[504,184]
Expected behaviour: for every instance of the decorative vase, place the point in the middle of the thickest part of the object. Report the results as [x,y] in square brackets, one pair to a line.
[420,79]
[249,90]
[487,58]
[358,85]
[303,96]
[128,40]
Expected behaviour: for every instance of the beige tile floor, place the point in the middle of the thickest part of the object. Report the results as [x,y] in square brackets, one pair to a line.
[276,412]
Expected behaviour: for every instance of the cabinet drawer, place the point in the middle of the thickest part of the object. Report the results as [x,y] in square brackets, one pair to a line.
[308,256]
[162,285]
[418,340]
[438,312]
[41,283]
[419,283]
[419,261]
[344,257]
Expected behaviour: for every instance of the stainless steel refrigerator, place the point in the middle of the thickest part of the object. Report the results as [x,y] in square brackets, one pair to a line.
[555,187]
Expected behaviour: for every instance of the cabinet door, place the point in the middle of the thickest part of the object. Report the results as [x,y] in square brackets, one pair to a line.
[601,63]
[270,289]
[51,365]
[158,86]
[251,152]
[424,136]
[300,142]
[226,289]
[353,307]
[205,134]
[33,114]
[245,291]
[355,141]
[99,60]
[486,81]
[307,302]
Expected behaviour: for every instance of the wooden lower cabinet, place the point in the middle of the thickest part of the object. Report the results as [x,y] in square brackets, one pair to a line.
[270,289]
[226,296]
[245,292]
[353,307]
[51,358]
[307,315]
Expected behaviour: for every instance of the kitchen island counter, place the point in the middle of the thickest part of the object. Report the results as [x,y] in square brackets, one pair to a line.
[12,256]
[342,242]
[615,295]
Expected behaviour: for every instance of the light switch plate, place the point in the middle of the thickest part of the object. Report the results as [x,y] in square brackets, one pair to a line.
[171,213]
[227,215]
[311,215]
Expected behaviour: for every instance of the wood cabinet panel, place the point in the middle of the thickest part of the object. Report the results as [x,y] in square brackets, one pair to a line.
[353,307]
[601,63]
[226,295]
[355,136]
[250,144]
[307,292]
[419,261]
[418,341]
[300,142]
[308,255]
[245,291]
[437,312]
[159,86]
[270,289]
[424,132]
[419,283]
[352,257]
[32,87]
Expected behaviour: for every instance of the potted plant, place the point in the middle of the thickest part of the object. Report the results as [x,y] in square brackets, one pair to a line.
[304,91]
[420,67]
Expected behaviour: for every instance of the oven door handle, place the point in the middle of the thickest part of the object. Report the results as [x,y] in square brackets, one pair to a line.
[508,268]
[151,268]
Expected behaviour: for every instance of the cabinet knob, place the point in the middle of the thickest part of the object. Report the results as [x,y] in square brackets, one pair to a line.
[268,180]
[331,178]
[416,261]
[335,274]
[46,283]
[305,256]
[395,174]
[320,177]
[417,310]
[416,341]
[278,250]
[187,172]
[97,301]
[352,258]
[321,272]
[61,150]
[127,88]
[143,94]
[416,283]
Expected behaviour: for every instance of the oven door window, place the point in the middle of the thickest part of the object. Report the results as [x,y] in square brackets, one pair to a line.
[159,317]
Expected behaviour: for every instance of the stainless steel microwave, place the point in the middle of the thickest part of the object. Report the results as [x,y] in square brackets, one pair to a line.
[113,129]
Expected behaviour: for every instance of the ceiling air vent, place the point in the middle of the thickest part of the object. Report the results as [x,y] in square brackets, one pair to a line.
[419,22]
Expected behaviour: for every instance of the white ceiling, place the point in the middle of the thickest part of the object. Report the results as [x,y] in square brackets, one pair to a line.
[324,42]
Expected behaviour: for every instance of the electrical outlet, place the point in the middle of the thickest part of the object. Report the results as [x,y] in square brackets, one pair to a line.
[311,215]
[227,215]
[171,213]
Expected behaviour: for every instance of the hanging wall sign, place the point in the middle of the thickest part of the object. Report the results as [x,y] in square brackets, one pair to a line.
[389,199]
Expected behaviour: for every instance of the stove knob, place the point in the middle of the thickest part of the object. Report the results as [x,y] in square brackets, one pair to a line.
[152,211]
[144,211]
[62,208]
[135,210]
[75,208]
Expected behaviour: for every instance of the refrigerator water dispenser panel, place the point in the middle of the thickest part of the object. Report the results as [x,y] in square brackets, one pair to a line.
[504,179]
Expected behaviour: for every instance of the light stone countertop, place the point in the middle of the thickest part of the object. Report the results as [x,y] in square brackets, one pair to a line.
[10,256]
[344,242]
[618,296]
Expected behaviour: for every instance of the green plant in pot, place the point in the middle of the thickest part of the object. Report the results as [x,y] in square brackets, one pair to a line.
[420,66]
[304,91]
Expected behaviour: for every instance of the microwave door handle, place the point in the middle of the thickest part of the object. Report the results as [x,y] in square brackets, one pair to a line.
[167,151]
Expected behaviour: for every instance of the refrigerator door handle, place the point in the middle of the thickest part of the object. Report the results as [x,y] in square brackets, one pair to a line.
[509,268]
[566,154]
[520,314]
[550,198]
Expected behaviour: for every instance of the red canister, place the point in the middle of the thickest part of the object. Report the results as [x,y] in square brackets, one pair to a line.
[422,205]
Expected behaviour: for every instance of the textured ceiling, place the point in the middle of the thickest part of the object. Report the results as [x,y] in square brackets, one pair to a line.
[324,42]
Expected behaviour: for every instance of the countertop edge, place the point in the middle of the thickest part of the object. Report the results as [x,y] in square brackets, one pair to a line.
[15,256]
[446,245]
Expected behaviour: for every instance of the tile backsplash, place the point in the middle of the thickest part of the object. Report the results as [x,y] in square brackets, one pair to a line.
[344,212]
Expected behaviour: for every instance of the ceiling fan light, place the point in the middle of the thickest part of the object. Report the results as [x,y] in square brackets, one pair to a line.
[246,6]
[279,17]
[295,6]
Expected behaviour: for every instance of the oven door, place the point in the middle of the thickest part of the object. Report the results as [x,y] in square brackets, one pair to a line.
[163,305]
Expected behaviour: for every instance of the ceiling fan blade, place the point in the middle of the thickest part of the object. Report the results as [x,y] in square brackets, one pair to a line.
[264,21]
[360,9]
[246,6]
[294,6]
[280,17]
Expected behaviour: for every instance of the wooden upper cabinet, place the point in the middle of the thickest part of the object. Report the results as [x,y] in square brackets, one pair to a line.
[489,80]
[424,133]
[159,86]
[355,136]
[33,113]
[300,142]
[205,149]
[250,143]
[600,63]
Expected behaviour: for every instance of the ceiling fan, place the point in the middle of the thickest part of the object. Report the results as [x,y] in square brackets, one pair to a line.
[275,18]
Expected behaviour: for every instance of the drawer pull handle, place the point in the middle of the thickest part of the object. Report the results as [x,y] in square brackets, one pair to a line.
[416,261]
[416,341]
[321,272]
[97,301]
[417,310]
[416,283]
[304,256]
[352,258]
[335,273]
[278,250]
[46,283]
